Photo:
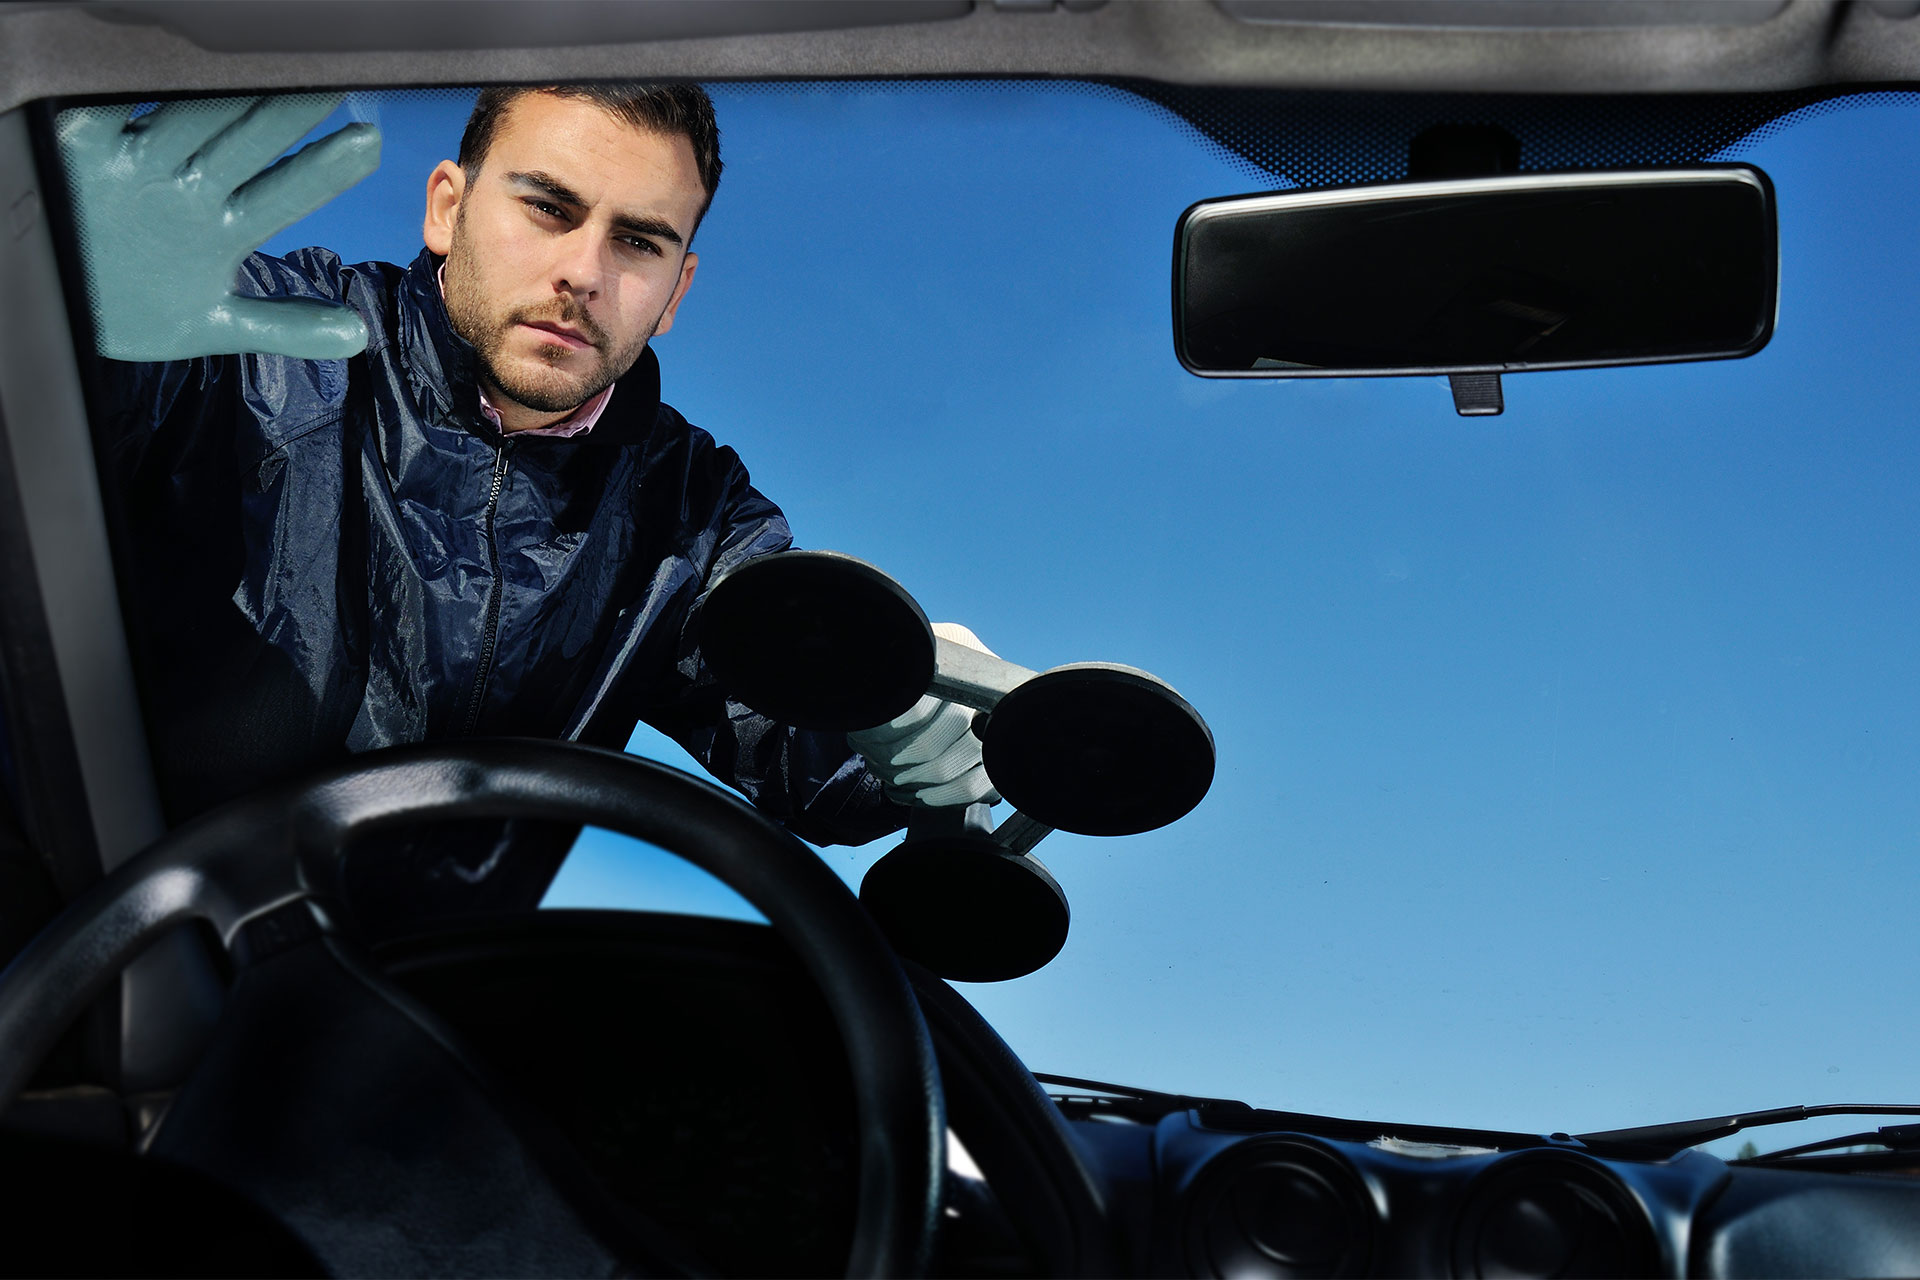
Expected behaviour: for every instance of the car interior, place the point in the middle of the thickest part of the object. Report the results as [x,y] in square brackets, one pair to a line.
[210,1065]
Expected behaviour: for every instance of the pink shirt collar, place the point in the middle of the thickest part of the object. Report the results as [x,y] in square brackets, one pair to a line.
[577,423]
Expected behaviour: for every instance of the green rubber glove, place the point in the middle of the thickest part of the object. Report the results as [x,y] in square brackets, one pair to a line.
[171,203]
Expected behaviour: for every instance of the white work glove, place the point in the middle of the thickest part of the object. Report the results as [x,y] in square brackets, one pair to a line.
[929,757]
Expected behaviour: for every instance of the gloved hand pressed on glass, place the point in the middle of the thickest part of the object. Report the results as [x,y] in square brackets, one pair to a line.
[170,203]
[929,756]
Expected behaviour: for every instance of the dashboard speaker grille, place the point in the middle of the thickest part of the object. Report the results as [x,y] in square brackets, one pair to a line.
[1280,1208]
[1552,1213]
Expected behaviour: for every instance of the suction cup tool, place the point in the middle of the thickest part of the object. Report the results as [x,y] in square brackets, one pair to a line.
[817,640]
[966,908]
[1098,749]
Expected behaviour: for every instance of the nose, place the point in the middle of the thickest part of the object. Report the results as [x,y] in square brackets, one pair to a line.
[581,266]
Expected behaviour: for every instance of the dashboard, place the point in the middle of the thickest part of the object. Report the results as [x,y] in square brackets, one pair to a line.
[1192,1198]
[733,1118]
[699,1083]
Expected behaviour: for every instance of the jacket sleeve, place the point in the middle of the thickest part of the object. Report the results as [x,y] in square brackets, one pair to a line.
[810,781]
[166,414]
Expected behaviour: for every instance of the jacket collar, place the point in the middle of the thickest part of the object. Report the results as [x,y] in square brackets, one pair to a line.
[444,368]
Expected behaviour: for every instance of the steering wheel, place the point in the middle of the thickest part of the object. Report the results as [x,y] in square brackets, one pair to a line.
[286,844]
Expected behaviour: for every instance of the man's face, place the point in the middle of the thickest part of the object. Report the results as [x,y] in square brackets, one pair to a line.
[566,252]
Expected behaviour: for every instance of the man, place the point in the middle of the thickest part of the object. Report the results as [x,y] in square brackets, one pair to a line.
[368,505]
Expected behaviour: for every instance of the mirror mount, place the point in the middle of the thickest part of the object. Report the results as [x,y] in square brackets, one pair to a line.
[1466,151]
[1477,395]
[1462,151]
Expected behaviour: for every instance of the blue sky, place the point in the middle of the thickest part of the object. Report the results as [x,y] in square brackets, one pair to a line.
[1568,759]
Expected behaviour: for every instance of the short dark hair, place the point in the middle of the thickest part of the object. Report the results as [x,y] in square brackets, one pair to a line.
[682,110]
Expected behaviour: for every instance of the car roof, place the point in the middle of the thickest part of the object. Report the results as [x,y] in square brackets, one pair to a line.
[1508,46]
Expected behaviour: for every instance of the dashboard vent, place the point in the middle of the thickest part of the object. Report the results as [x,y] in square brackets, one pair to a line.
[1280,1207]
[1552,1213]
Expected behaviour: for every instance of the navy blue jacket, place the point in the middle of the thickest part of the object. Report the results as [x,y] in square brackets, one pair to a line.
[328,557]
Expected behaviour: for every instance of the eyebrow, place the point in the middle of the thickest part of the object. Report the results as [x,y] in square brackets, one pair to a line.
[558,191]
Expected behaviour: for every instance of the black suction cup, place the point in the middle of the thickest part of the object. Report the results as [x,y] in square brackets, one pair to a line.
[966,908]
[817,640]
[1099,750]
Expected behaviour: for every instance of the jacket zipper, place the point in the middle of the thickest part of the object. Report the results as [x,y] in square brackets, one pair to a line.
[493,599]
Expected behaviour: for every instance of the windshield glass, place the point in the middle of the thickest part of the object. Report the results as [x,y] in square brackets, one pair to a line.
[1566,757]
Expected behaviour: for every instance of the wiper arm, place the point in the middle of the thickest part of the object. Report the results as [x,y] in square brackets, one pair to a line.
[1894,1137]
[1118,1090]
[1146,1105]
[1149,1105]
[1671,1139]
[1654,1139]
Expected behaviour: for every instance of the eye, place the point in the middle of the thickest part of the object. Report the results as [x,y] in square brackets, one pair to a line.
[644,246]
[547,210]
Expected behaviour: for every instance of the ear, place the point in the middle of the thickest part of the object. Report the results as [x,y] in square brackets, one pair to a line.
[687,266]
[445,186]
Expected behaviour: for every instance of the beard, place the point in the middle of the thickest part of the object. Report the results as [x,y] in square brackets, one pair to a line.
[546,387]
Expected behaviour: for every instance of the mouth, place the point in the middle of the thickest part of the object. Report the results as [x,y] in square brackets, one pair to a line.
[558,335]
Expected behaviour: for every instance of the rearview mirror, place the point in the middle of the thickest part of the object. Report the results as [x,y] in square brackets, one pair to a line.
[1478,275]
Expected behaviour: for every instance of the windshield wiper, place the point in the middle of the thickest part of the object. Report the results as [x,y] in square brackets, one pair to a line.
[1671,1139]
[1893,1137]
[1147,1106]
[1144,1105]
